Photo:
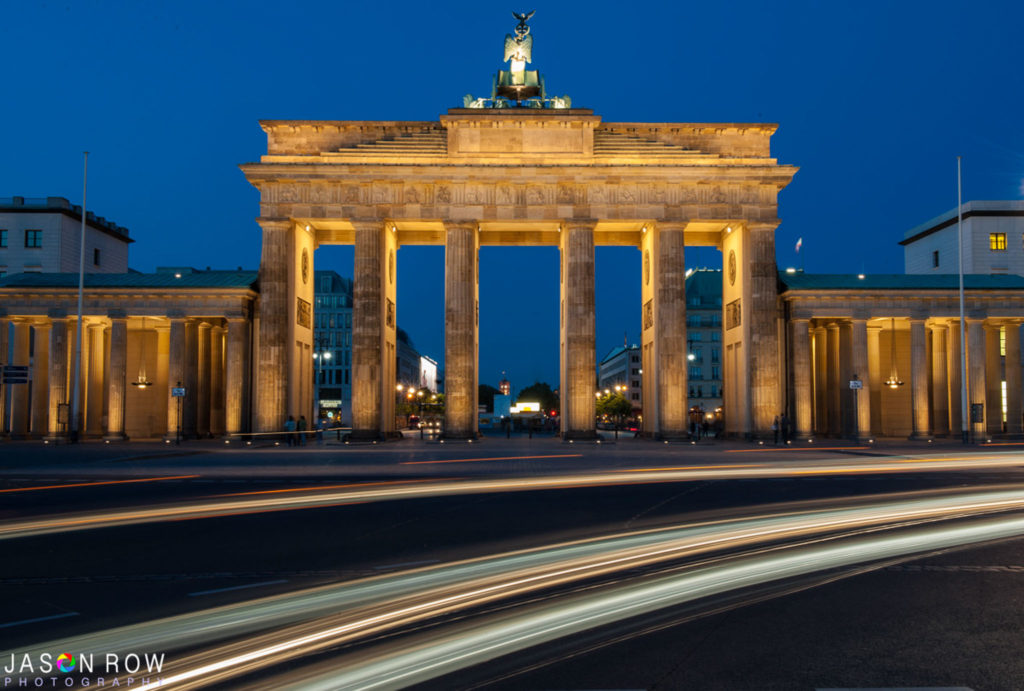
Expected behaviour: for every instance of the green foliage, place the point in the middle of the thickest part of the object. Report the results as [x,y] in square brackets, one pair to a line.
[487,393]
[540,391]
[614,405]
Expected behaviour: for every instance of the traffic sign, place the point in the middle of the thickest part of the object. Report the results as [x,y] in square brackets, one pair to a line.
[856,384]
[178,391]
[15,374]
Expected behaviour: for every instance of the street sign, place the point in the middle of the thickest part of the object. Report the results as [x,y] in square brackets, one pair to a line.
[856,384]
[178,391]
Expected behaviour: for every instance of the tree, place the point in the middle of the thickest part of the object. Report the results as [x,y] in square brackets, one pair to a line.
[542,393]
[487,393]
[614,405]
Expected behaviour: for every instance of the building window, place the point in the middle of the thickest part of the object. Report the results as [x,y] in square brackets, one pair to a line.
[715,355]
[96,257]
[1002,341]
[635,383]
[700,392]
[716,319]
[636,370]
[33,238]
[3,238]
[636,397]
[695,336]
[693,320]
[935,259]
[997,241]
[634,358]
[691,391]
[716,335]
[695,373]
[714,391]
[716,372]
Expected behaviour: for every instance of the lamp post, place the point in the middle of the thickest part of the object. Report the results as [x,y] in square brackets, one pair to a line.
[319,355]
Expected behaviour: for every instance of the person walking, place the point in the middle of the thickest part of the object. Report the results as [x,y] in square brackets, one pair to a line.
[301,427]
[775,430]
[784,425]
[320,425]
[289,430]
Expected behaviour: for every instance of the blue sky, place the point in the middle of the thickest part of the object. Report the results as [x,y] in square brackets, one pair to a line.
[874,101]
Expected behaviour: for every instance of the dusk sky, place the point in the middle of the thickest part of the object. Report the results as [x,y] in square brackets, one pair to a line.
[874,101]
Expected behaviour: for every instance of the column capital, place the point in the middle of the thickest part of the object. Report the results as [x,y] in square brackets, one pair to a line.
[798,320]
[669,225]
[763,225]
[204,324]
[461,224]
[275,223]
[579,223]
[368,224]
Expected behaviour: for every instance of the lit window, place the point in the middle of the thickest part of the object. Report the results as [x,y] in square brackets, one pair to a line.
[1002,341]
[997,241]
[33,238]
[935,259]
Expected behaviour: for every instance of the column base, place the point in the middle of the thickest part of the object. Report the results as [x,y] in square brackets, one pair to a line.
[115,437]
[920,436]
[673,436]
[367,435]
[459,436]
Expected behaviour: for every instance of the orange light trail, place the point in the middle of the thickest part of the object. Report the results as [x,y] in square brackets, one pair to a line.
[499,458]
[97,483]
[787,449]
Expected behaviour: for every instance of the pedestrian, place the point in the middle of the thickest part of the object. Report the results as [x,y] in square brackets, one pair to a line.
[320,425]
[784,424]
[706,426]
[289,430]
[301,427]
[775,430]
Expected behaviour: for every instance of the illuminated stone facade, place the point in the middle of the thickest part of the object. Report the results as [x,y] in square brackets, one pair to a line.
[520,177]
[903,328]
[164,328]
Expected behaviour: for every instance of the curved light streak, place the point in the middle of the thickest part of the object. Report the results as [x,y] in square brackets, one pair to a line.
[328,616]
[320,497]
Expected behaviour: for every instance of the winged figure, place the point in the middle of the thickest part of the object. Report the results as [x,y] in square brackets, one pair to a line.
[520,48]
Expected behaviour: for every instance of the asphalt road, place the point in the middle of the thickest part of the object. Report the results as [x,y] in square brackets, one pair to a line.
[947,620]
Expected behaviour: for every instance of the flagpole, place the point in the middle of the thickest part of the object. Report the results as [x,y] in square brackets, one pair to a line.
[76,377]
[964,421]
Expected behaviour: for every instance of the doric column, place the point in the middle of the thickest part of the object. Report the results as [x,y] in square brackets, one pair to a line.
[58,378]
[1013,378]
[764,338]
[116,378]
[861,368]
[875,376]
[203,373]
[40,378]
[820,380]
[834,393]
[161,384]
[953,372]
[461,324]
[993,380]
[217,381]
[175,374]
[92,375]
[19,392]
[236,369]
[578,332]
[669,291]
[920,404]
[373,331]
[189,404]
[800,338]
[940,381]
[976,374]
[275,308]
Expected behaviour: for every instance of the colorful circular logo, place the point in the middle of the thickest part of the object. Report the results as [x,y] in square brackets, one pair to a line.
[66,663]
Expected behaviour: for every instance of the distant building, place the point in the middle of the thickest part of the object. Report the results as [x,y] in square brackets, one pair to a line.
[332,343]
[408,369]
[704,339]
[505,386]
[42,236]
[621,367]
[993,241]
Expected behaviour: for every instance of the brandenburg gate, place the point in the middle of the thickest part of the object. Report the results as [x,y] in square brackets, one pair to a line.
[519,169]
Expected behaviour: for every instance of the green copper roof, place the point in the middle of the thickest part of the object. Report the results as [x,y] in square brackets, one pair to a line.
[802,281]
[198,279]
